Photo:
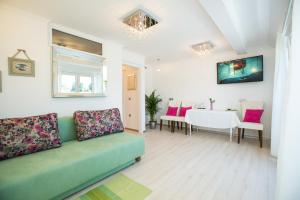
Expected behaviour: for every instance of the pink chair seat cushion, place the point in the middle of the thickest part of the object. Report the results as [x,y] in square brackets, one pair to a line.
[253,115]
[172,111]
[183,110]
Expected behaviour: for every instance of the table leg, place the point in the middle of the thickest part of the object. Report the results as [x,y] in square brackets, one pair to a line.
[190,129]
[186,128]
[230,134]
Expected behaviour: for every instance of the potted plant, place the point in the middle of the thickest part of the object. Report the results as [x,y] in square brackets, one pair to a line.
[152,108]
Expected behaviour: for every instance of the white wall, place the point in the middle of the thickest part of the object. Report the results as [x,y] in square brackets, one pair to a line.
[288,173]
[133,59]
[23,96]
[196,80]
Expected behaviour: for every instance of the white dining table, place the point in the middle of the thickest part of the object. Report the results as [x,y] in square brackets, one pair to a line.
[218,119]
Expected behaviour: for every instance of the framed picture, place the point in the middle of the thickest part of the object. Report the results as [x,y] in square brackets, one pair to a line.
[131,82]
[241,70]
[21,67]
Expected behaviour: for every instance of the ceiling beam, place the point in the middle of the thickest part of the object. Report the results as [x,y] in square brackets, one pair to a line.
[217,10]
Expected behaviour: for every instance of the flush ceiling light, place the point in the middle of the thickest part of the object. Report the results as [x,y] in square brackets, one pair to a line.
[203,48]
[139,21]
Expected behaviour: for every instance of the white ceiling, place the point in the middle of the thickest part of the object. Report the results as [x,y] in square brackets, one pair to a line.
[255,22]
[182,23]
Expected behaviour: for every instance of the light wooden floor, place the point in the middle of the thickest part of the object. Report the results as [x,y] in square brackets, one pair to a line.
[203,166]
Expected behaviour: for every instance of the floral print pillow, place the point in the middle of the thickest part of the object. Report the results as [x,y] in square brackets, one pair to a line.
[90,124]
[20,136]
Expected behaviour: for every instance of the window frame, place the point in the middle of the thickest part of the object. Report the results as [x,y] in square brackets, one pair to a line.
[56,75]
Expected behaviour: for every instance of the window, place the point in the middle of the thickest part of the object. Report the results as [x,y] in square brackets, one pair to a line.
[68,84]
[85,84]
[77,73]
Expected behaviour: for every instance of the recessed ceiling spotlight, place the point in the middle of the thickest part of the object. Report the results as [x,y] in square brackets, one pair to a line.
[158,70]
[203,48]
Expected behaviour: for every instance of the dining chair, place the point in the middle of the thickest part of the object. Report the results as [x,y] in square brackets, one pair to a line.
[185,105]
[170,118]
[247,106]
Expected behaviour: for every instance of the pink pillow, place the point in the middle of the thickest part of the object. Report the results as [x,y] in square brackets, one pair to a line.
[172,111]
[253,115]
[183,110]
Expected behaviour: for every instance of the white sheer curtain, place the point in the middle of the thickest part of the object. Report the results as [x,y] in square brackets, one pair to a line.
[283,44]
[288,162]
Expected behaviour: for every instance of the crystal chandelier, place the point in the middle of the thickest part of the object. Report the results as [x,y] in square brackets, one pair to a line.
[138,22]
[203,48]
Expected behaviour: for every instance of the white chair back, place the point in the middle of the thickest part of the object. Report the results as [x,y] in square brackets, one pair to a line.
[187,104]
[174,103]
[251,105]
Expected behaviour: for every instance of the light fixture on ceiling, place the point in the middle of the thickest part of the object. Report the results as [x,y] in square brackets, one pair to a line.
[138,22]
[203,48]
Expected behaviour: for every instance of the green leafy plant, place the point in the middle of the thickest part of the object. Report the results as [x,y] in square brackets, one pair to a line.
[152,102]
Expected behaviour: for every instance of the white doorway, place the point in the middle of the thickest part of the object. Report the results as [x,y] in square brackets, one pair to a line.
[131,98]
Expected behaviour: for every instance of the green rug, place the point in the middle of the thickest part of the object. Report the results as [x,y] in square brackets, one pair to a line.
[120,187]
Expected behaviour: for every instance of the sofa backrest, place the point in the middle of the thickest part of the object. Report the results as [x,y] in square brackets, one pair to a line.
[66,129]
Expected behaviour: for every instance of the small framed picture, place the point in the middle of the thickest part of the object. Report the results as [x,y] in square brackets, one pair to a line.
[131,82]
[21,67]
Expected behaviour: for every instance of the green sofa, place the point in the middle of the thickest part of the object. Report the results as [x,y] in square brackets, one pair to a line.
[58,173]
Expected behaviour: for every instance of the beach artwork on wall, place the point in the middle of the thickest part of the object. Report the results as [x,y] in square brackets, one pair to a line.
[241,70]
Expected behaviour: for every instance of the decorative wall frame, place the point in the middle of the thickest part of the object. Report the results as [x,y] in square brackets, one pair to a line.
[131,82]
[21,67]
[77,73]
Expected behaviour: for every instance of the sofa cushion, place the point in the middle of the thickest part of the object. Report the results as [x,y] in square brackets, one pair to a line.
[90,124]
[59,172]
[20,136]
